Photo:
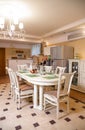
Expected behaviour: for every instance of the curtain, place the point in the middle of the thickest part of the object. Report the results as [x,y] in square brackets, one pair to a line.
[36,49]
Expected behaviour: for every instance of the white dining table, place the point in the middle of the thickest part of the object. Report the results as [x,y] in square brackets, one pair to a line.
[39,82]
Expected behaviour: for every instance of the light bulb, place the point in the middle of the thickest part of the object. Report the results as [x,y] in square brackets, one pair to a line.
[21,26]
[1,20]
[12,27]
[2,26]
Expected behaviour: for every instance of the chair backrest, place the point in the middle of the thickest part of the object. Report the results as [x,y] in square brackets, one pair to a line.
[60,70]
[48,69]
[10,71]
[65,89]
[22,67]
[16,81]
[14,78]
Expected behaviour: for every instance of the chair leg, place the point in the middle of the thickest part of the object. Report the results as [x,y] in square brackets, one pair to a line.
[14,95]
[18,104]
[44,104]
[68,106]
[11,92]
[57,110]
[17,101]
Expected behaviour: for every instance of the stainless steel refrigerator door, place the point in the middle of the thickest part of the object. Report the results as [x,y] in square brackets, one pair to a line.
[62,63]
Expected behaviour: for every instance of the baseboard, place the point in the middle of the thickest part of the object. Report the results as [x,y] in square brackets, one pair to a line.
[78,88]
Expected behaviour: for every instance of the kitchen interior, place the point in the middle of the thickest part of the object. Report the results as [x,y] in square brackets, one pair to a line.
[70,54]
[48,33]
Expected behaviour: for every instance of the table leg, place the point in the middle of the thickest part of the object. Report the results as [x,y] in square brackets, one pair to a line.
[35,96]
[41,97]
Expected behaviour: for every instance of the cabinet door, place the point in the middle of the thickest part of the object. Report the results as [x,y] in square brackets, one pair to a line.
[20,62]
[81,66]
[62,63]
[56,52]
[62,52]
[53,52]
[68,52]
[82,79]
[13,64]
[82,73]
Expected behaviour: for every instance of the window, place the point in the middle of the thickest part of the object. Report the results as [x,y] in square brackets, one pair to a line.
[36,49]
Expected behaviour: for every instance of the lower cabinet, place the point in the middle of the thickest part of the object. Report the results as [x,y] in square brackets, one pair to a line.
[82,79]
[13,63]
[79,77]
[82,73]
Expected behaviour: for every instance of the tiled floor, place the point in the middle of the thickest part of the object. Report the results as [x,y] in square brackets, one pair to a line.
[29,118]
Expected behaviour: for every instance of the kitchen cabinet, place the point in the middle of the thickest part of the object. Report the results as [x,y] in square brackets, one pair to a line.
[62,63]
[82,73]
[79,77]
[62,52]
[55,54]
[12,63]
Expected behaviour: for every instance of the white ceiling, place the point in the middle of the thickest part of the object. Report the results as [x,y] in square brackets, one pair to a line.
[52,16]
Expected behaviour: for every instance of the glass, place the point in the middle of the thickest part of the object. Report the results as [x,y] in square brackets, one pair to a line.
[42,71]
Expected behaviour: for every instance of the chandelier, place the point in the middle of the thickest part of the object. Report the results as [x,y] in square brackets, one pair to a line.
[11,28]
[11,24]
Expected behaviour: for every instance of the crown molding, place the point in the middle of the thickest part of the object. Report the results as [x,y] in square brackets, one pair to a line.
[38,39]
[69,26]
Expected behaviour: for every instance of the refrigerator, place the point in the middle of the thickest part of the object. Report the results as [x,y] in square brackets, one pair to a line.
[60,56]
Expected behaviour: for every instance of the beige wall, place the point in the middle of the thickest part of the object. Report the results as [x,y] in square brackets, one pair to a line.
[79,47]
[11,52]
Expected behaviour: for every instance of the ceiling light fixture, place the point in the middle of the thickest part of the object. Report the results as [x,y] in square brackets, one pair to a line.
[11,25]
[10,29]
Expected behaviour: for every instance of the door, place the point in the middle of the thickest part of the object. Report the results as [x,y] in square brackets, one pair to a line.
[2,61]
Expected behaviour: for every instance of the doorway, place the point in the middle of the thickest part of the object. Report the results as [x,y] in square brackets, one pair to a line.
[2,62]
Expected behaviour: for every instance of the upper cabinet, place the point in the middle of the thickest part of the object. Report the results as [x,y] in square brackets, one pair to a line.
[62,52]
[56,52]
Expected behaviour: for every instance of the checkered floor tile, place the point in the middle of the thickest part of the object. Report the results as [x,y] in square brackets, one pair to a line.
[29,118]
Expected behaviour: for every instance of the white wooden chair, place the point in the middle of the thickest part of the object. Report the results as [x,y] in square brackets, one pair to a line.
[11,82]
[60,70]
[61,94]
[22,67]
[21,91]
[48,69]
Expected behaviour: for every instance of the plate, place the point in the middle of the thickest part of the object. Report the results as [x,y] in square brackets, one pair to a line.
[32,75]
[50,76]
[22,71]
